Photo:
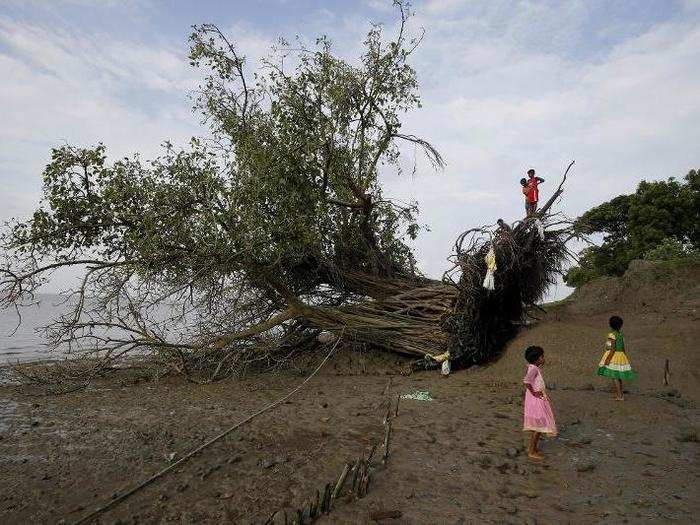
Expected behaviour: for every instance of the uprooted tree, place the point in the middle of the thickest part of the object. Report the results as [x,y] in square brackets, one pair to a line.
[245,246]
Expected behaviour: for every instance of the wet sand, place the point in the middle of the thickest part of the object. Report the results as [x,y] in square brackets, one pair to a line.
[456,459]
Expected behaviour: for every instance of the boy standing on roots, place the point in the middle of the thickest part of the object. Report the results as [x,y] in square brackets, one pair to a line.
[532,195]
[523,183]
[538,416]
[614,363]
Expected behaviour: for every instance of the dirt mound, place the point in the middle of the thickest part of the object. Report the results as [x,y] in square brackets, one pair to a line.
[647,286]
[660,304]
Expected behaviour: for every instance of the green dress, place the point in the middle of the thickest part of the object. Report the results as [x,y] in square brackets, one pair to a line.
[616,366]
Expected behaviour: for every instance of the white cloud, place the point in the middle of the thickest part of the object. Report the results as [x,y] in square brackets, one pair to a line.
[496,100]
[383,6]
[61,86]
[506,85]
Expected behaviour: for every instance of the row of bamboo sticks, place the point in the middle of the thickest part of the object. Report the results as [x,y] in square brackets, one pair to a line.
[357,473]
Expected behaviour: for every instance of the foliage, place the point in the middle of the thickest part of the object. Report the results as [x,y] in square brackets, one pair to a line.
[659,214]
[281,209]
[578,276]
[671,250]
[240,249]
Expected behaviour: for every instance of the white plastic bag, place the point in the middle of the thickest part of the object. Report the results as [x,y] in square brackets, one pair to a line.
[446,367]
[540,228]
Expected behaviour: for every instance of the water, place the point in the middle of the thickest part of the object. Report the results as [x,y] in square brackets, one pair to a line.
[26,343]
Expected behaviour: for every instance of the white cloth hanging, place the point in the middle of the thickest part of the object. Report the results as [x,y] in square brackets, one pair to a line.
[540,228]
[489,282]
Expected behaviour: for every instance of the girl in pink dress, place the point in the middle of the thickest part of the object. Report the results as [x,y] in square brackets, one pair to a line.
[539,418]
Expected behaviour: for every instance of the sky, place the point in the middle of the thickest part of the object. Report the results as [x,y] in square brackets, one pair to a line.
[506,85]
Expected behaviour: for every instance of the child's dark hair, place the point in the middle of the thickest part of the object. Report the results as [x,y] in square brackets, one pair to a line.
[615,322]
[533,353]
[523,182]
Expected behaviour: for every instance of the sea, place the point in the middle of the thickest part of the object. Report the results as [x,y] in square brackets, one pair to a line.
[21,339]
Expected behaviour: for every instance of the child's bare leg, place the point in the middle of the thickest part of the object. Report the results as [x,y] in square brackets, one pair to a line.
[618,389]
[532,450]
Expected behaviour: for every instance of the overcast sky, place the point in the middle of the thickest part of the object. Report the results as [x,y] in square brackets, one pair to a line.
[506,85]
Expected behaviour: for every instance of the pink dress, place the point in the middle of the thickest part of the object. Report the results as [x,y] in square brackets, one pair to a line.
[538,412]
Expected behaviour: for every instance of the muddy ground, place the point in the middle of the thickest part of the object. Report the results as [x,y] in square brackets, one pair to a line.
[456,459]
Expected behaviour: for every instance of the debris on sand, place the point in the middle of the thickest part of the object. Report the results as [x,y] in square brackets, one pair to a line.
[418,395]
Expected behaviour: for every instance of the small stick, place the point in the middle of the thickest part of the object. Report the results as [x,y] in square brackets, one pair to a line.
[387,438]
[388,414]
[364,483]
[363,469]
[283,513]
[358,480]
[667,372]
[312,505]
[371,454]
[321,495]
[355,471]
[326,502]
[378,515]
[341,481]
[387,387]
[398,399]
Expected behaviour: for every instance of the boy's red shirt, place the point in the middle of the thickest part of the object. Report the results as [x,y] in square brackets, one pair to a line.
[533,193]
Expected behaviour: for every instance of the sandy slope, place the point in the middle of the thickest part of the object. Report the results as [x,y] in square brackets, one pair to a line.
[456,459]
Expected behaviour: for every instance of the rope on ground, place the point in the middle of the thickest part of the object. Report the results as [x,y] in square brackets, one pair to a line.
[213,440]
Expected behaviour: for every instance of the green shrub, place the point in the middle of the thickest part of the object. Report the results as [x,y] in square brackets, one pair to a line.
[578,276]
[671,250]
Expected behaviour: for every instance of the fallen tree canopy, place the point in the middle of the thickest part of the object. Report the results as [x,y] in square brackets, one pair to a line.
[241,249]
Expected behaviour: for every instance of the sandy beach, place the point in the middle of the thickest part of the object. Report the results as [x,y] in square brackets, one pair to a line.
[456,459]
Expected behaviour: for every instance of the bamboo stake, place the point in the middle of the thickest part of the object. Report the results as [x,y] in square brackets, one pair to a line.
[316,505]
[360,478]
[341,481]
[371,454]
[387,388]
[365,486]
[326,502]
[387,438]
[355,471]
[360,472]
[667,372]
